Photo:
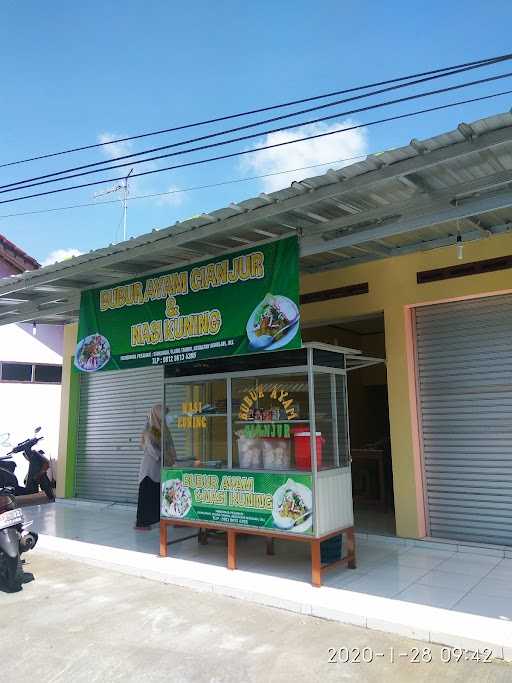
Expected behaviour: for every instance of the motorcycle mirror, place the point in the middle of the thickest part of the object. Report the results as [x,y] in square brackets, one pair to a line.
[37,430]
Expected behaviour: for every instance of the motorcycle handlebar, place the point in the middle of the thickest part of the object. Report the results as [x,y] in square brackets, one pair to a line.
[24,445]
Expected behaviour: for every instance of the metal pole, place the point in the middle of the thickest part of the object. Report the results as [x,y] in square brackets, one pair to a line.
[125,203]
[312,437]
[124,207]
[229,417]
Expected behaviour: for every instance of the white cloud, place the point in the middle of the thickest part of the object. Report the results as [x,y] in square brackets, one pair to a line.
[119,149]
[352,143]
[116,149]
[60,255]
[174,198]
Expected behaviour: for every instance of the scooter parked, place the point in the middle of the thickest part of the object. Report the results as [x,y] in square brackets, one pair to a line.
[15,539]
[37,477]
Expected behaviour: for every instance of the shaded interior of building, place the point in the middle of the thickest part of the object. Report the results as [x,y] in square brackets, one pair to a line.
[372,477]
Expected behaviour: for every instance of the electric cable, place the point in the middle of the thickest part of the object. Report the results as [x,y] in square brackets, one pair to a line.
[244,138]
[103,163]
[182,190]
[257,149]
[474,64]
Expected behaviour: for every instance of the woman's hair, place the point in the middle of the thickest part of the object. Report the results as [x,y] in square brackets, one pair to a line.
[153,434]
[154,424]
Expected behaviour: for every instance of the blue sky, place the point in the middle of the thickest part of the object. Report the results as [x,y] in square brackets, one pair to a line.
[74,72]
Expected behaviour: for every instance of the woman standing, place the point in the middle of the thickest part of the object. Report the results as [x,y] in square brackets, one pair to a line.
[148,506]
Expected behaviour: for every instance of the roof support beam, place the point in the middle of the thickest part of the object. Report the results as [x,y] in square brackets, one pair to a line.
[35,312]
[63,286]
[413,181]
[5,301]
[421,203]
[115,273]
[448,240]
[503,200]
[486,232]
[373,248]
[471,236]
[316,217]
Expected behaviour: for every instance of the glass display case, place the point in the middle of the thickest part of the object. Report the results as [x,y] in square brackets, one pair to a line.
[260,441]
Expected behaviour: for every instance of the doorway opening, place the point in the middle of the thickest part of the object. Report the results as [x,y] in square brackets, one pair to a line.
[370,443]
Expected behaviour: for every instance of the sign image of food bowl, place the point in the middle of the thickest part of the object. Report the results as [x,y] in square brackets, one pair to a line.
[273,323]
[176,498]
[292,507]
[92,353]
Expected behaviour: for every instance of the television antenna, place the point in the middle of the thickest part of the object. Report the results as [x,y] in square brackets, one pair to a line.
[120,187]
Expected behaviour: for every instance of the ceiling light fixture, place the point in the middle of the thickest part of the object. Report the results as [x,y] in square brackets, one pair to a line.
[460,247]
[458,243]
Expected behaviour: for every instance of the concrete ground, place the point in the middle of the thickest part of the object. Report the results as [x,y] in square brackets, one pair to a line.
[79,623]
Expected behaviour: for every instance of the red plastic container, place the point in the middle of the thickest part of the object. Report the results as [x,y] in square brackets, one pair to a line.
[302,443]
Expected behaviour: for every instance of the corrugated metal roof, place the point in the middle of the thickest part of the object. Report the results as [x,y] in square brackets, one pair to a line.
[407,199]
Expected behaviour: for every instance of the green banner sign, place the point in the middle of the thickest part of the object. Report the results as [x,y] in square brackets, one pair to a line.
[239,303]
[268,500]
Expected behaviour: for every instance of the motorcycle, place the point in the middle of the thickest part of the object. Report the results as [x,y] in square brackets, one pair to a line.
[15,539]
[37,476]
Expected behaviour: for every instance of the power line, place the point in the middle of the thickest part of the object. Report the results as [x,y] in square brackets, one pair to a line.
[257,149]
[242,138]
[114,164]
[474,64]
[209,186]
[234,130]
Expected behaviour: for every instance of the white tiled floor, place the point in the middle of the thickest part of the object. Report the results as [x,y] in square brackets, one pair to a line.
[476,602]
[429,574]
[469,565]
[495,587]
[503,570]
[435,596]
[444,579]
[424,560]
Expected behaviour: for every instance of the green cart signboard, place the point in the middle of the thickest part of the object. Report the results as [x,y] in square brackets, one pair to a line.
[240,303]
[266,500]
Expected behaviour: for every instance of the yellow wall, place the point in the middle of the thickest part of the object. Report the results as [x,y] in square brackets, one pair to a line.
[392,287]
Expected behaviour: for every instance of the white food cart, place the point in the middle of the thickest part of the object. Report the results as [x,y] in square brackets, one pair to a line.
[259,444]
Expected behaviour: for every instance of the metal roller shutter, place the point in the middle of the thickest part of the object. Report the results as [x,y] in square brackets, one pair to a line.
[464,361]
[113,408]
